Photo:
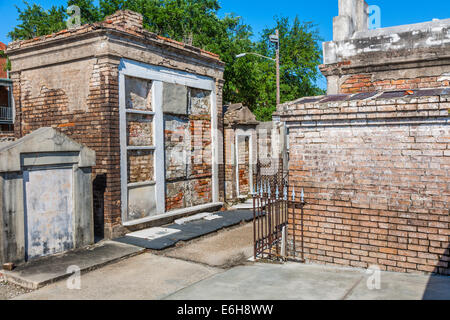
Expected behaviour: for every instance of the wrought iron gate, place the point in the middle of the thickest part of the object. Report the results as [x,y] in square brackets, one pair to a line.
[277,215]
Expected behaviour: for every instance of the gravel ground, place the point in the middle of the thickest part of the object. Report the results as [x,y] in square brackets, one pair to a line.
[9,291]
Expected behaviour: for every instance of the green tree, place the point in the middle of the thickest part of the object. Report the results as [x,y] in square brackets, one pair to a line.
[36,22]
[300,56]
[7,66]
[89,12]
[250,80]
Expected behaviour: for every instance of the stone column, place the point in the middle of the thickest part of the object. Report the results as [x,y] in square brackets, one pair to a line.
[352,18]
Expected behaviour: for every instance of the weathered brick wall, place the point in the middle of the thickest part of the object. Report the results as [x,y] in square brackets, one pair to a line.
[265,150]
[243,158]
[188,152]
[376,175]
[140,166]
[365,83]
[262,146]
[270,147]
[95,124]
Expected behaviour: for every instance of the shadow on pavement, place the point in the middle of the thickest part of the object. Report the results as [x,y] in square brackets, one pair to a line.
[438,286]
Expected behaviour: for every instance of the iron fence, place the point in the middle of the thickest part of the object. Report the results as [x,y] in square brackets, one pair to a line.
[275,215]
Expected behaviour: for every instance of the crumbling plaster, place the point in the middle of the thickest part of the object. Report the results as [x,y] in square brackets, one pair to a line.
[408,52]
[435,34]
[109,43]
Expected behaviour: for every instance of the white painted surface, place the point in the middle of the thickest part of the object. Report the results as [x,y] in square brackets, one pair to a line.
[242,134]
[212,217]
[158,135]
[157,73]
[48,211]
[153,233]
[141,202]
[194,217]
[215,143]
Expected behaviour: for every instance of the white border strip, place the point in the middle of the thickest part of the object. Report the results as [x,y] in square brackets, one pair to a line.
[158,75]
[242,133]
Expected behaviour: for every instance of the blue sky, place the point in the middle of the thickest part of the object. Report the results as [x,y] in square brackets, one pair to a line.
[259,13]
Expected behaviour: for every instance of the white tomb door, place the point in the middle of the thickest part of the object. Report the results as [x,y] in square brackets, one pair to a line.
[48,194]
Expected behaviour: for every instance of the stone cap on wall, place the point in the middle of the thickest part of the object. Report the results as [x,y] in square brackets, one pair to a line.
[238,114]
[377,46]
[361,108]
[124,21]
[43,141]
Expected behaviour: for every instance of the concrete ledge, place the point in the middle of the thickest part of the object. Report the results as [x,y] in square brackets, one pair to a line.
[39,273]
[169,217]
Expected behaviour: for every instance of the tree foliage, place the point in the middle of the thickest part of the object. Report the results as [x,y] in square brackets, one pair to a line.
[35,21]
[7,66]
[250,80]
[300,56]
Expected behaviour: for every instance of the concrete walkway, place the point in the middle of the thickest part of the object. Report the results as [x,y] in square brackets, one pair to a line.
[195,271]
[226,249]
[150,276]
[143,277]
[39,273]
[293,281]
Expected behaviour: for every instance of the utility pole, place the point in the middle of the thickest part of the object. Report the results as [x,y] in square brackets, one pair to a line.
[275,38]
[278,67]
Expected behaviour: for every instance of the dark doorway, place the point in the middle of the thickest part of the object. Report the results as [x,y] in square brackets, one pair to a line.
[99,187]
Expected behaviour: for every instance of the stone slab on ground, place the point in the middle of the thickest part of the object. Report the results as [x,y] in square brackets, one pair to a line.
[190,230]
[153,233]
[294,281]
[225,249]
[194,217]
[143,277]
[39,273]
